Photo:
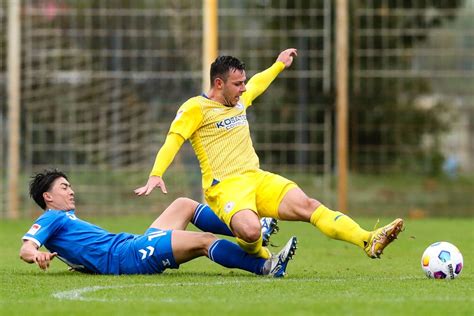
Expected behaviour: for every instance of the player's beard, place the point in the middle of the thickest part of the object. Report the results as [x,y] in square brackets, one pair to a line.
[228,101]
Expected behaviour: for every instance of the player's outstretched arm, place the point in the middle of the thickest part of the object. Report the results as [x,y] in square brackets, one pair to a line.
[261,81]
[30,254]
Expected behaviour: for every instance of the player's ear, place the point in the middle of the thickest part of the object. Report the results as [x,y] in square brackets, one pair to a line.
[47,197]
[218,83]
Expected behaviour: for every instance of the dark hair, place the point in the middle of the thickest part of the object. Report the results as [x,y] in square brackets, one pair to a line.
[41,182]
[222,65]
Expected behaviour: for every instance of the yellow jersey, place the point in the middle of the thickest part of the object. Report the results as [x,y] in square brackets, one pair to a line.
[220,135]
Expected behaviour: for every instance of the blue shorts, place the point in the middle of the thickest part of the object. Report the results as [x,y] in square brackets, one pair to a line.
[147,254]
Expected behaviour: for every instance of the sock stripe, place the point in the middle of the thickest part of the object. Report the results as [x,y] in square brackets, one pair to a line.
[197,212]
[211,249]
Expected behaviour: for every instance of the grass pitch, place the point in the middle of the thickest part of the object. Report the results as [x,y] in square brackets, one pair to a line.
[326,277]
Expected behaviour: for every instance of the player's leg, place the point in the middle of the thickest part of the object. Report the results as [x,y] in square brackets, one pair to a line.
[184,210]
[158,250]
[189,245]
[177,215]
[237,208]
[206,220]
[248,232]
[281,198]
[295,205]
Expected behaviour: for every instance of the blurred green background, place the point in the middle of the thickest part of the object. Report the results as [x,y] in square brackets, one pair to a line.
[102,80]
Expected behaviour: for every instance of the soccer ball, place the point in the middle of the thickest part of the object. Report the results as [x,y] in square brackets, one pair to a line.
[442,260]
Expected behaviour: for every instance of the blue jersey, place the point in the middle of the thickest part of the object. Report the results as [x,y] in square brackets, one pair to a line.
[89,248]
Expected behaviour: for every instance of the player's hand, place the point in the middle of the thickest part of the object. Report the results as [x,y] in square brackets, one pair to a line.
[153,182]
[43,259]
[287,55]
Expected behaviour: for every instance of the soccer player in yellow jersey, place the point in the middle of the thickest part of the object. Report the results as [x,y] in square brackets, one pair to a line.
[234,185]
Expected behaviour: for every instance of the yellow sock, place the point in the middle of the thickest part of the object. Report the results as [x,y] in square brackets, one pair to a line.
[339,226]
[254,248]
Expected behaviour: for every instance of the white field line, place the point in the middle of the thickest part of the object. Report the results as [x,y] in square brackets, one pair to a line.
[78,294]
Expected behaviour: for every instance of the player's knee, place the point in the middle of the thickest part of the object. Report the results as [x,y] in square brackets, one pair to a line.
[184,202]
[186,206]
[246,225]
[251,232]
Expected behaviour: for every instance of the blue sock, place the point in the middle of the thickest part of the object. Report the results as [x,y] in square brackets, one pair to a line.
[230,255]
[207,221]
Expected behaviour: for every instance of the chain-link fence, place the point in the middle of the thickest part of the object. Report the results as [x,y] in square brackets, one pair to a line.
[102,80]
[412,60]
[412,108]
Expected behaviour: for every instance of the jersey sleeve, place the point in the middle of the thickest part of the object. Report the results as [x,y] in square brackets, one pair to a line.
[260,82]
[187,120]
[44,227]
[166,154]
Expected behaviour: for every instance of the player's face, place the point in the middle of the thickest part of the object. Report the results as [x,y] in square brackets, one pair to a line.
[234,86]
[60,196]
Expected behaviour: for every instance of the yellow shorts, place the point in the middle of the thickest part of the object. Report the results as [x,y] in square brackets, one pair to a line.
[259,191]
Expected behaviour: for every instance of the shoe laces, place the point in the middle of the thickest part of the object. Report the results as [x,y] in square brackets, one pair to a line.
[376,224]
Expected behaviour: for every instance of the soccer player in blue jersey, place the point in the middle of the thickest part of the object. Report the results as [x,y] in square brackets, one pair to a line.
[89,248]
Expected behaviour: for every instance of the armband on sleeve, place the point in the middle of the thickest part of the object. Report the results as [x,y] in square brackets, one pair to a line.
[166,154]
